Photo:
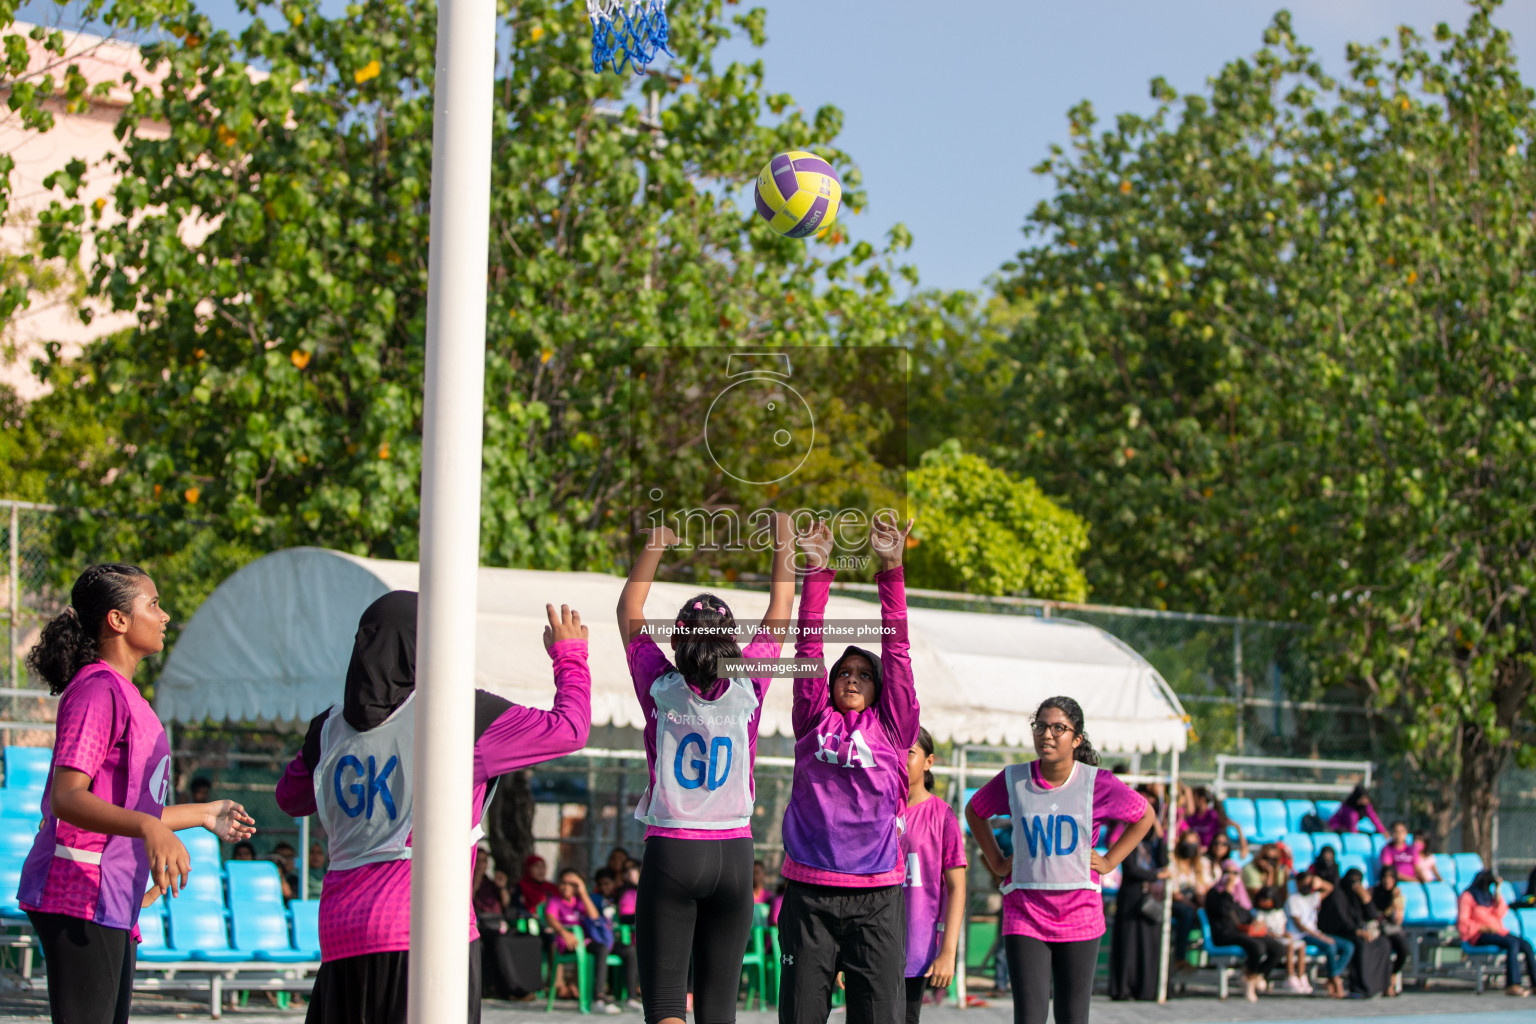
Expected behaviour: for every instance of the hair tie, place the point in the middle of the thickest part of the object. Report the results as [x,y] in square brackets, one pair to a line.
[698,606]
[680,624]
[69,610]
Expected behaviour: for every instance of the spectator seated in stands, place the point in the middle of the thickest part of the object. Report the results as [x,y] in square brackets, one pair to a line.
[1400,853]
[1218,853]
[243,851]
[1303,908]
[1480,920]
[317,862]
[576,922]
[606,882]
[1355,806]
[285,856]
[1425,869]
[629,890]
[1388,900]
[1266,870]
[200,790]
[1326,865]
[1269,910]
[1347,913]
[1191,878]
[1207,819]
[535,885]
[1234,925]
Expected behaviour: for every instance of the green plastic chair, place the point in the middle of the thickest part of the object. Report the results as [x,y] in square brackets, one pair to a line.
[583,961]
[755,964]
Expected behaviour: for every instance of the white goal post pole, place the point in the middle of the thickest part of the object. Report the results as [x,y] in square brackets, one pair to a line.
[452,425]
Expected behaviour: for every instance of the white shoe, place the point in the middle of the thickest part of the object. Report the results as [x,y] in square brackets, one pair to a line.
[634,1004]
[606,1007]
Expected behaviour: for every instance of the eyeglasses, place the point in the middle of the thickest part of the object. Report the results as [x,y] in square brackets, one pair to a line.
[1056,729]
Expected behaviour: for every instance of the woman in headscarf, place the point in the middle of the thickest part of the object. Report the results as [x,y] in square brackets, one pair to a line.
[1135,943]
[365,905]
[1232,924]
[535,884]
[1326,865]
[1347,912]
[1355,806]
[1480,921]
[1390,903]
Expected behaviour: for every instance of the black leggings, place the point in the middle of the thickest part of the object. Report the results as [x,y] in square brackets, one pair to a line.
[1400,951]
[1035,966]
[90,968]
[915,989]
[1261,953]
[694,900]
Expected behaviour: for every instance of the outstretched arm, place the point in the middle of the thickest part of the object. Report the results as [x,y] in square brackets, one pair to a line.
[521,736]
[812,695]
[638,586]
[781,586]
[898,707]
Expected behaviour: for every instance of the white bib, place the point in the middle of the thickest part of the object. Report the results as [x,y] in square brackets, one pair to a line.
[363,787]
[1052,829]
[703,771]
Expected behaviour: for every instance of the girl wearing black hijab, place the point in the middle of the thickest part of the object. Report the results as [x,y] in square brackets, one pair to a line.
[1348,913]
[354,772]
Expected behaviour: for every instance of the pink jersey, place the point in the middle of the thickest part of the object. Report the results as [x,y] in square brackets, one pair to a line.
[647,663]
[367,909]
[565,912]
[930,846]
[108,731]
[1405,860]
[1067,915]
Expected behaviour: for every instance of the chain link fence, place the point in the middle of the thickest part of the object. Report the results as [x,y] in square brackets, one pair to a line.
[1246,687]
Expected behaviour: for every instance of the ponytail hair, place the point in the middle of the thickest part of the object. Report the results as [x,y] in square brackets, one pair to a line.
[1084,751]
[706,637]
[925,740]
[70,640]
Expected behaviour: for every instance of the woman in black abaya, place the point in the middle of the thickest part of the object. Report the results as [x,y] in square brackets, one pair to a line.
[1137,939]
[1348,912]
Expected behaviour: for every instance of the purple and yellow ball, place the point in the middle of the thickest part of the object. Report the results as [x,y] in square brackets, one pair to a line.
[798,194]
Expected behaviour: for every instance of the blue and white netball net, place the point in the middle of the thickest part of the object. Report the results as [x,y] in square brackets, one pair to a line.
[627,33]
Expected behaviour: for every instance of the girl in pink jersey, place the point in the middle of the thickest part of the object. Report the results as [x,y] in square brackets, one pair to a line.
[1053,908]
[854,725]
[934,854]
[695,893]
[107,834]
[365,903]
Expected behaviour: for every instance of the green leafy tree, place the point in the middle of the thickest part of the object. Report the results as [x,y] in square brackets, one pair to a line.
[1275,345]
[274,249]
[982,531]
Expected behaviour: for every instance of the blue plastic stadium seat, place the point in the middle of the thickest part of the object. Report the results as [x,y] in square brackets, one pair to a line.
[1442,903]
[16,839]
[1241,812]
[1509,892]
[204,885]
[1526,917]
[1467,867]
[261,933]
[1356,842]
[1211,949]
[1322,839]
[1271,819]
[202,846]
[1367,825]
[254,881]
[1378,843]
[1301,848]
[1415,905]
[1326,808]
[26,768]
[1446,864]
[154,949]
[198,932]
[1357,860]
[10,880]
[24,805]
[1295,810]
[306,927]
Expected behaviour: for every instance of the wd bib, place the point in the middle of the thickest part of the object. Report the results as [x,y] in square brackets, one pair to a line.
[1052,829]
[702,777]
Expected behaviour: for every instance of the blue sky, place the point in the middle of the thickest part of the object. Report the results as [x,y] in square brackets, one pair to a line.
[949,103]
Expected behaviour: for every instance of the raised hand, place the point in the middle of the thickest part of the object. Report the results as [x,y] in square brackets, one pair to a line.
[565,626]
[661,537]
[888,539]
[815,544]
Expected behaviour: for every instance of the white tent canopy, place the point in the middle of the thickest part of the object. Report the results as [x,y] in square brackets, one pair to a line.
[272,642]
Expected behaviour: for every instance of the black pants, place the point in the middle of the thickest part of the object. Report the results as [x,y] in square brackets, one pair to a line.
[694,901]
[371,989]
[90,968]
[1186,916]
[916,988]
[1400,951]
[1263,954]
[1513,946]
[860,932]
[626,953]
[1036,966]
